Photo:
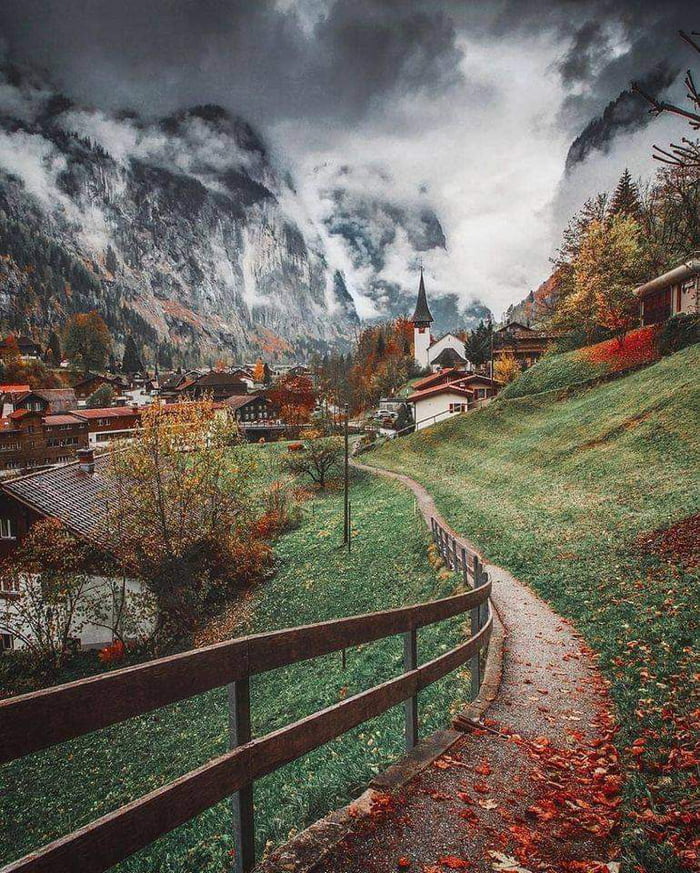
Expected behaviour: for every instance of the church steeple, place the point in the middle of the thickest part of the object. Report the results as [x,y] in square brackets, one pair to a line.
[421,316]
[422,319]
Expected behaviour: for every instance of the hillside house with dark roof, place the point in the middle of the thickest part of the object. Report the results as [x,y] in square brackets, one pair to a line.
[676,292]
[76,494]
[524,343]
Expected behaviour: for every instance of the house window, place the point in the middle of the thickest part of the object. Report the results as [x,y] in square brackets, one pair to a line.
[458,407]
[6,642]
[6,529]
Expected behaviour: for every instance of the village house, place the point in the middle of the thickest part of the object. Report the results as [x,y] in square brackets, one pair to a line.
[75,494]
[28,349]
[109,423]
[216,385]
[673,293]
[522,342]
[29,438]
[449,392]
[92,381]
[40,400]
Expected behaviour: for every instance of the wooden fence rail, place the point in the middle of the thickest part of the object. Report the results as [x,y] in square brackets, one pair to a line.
[40,719]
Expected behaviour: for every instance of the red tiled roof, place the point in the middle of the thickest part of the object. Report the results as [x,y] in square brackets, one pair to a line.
[447,388]
[20,413]
[437,378]
[62,418]
[107,412]
[14,389]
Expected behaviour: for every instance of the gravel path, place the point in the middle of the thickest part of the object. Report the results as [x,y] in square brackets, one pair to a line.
[537,789]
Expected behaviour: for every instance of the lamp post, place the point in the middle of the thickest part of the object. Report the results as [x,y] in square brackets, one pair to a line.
[346,481]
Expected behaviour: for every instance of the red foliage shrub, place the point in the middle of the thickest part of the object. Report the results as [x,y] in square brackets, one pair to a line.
[113,653]
[295,447]
[634,349]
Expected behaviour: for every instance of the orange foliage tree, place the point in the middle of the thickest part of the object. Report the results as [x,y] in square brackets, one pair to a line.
[295,398]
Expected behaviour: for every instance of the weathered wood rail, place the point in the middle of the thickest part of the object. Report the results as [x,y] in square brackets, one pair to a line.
[41,719]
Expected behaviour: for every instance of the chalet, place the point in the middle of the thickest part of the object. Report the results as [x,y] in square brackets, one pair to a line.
[28,349]
[76,494]
[92,381]
[44,400]
[524,343]
[216,385]
[448,351]
[673,293]
[109,423]
[29,438]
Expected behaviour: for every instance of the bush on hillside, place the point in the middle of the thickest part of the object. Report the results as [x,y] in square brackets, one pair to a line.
[635,349]
[679,332]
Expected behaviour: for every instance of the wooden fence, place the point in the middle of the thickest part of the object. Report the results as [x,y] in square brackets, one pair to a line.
[43,718]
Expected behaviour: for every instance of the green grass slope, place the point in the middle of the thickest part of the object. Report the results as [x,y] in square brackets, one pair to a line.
[52,792]
[558,491]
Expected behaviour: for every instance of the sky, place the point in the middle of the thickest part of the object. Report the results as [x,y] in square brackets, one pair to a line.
[468,108]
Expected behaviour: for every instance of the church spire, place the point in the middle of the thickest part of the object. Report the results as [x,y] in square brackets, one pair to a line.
[422,314]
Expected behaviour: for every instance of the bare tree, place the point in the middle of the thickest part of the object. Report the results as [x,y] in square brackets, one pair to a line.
[685,154]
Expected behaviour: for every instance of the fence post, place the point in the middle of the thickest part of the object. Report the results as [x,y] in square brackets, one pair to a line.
[454,554]
[242,801]
[410,662]
[465,567]
[475,663]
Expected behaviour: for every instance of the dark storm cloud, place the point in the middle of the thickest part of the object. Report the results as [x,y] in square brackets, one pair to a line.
[263,59]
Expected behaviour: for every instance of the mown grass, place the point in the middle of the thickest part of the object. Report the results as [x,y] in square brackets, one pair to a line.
[558,491]
[55,791]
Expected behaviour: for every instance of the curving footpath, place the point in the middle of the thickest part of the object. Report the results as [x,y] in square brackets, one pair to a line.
[533,786]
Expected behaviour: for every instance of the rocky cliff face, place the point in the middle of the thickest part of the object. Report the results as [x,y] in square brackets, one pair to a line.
[181,232]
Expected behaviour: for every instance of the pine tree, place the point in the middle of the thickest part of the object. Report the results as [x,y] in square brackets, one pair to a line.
[131,363]
[625,199]
[54,354]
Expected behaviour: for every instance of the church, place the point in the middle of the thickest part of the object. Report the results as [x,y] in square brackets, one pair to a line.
[448,351]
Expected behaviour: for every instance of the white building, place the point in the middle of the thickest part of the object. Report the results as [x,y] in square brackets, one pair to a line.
[448,351]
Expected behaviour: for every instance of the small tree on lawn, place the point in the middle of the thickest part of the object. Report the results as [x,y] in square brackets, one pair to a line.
[101,397]
[87,341]
[318,460]
[49,575]
[181,515]
[506,368]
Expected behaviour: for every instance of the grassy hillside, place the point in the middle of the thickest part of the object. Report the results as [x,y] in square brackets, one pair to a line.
[566,494]
[52,792]
[637,348]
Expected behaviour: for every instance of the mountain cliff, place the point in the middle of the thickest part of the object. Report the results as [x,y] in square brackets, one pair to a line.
[179,231]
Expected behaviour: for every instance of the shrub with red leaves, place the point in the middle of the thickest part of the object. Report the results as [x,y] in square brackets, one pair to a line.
[635,349]
[112,654]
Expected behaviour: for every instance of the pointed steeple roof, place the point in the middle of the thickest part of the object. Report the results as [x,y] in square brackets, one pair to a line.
[422,314]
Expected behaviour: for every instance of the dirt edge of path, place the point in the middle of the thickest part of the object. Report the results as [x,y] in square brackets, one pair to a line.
[309,847]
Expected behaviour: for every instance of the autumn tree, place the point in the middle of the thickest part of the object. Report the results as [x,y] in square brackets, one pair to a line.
[181,514]
[87,341]
[319,458]
[294,397]
[259,371]
[606,270]
[506,368]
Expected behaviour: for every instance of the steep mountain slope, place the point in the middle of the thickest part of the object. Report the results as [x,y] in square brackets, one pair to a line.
[180,230]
